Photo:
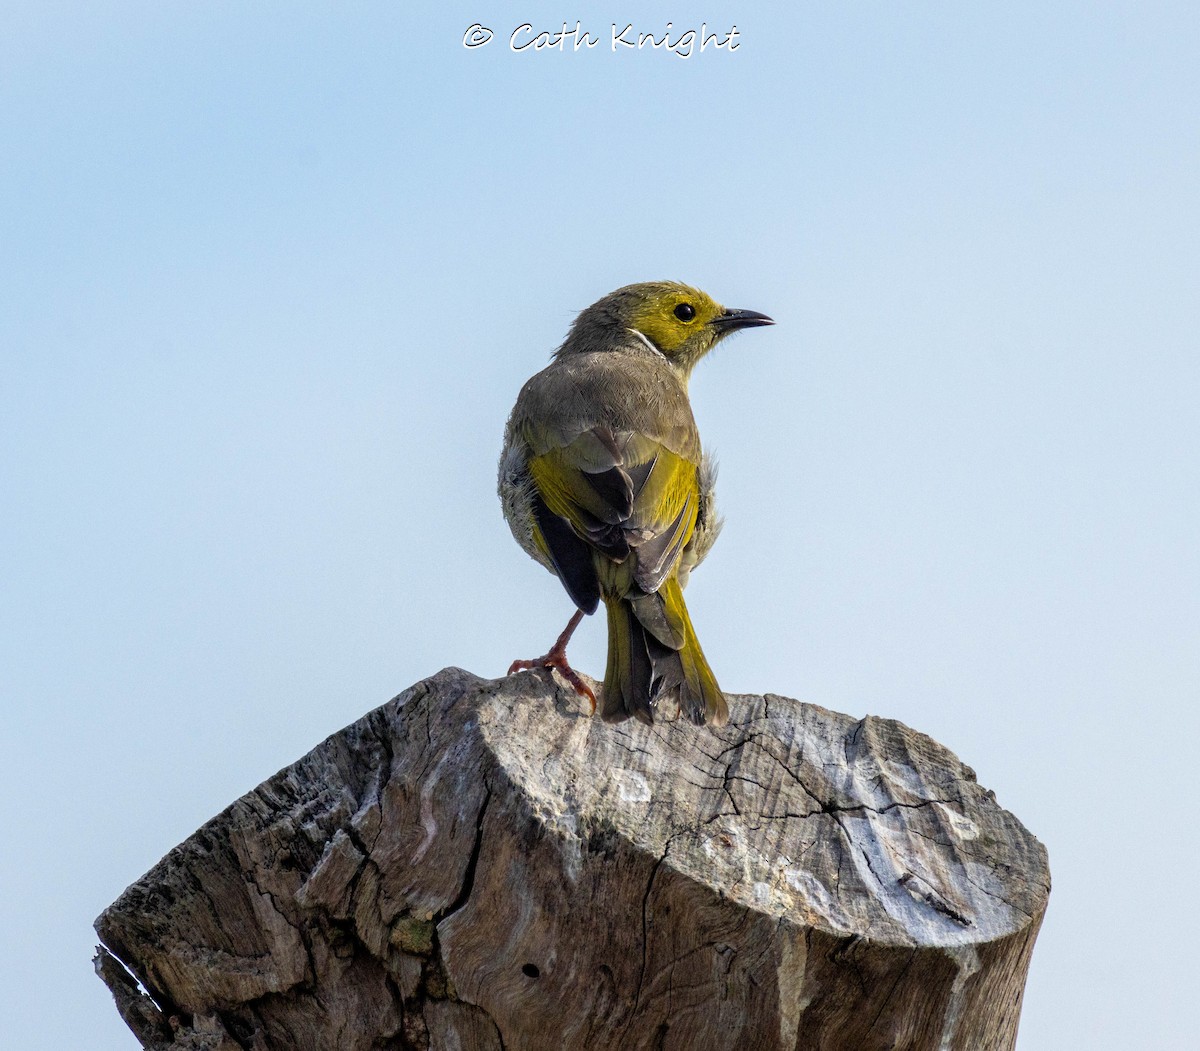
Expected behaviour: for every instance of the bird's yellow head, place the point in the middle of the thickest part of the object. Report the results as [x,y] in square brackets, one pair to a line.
[680,322]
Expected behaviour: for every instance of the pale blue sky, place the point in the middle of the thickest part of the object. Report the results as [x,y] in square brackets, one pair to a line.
[272,275]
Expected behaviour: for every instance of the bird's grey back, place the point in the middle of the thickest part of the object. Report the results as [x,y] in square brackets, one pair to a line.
[626,388]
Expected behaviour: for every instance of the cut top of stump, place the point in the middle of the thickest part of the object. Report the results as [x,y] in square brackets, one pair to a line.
[479,861]
[854,826]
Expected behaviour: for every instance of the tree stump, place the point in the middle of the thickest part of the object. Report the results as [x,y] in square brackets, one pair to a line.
[480,865]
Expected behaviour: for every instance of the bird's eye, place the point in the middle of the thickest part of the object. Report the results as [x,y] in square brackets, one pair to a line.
[685,311]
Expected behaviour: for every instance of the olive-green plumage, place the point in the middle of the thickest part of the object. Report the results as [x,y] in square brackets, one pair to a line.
[604,482]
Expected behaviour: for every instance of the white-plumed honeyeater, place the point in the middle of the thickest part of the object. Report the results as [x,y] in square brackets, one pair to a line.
[604,482]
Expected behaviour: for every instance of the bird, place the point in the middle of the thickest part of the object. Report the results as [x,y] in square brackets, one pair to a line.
[603,480]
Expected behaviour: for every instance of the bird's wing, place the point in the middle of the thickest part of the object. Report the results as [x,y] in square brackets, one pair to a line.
[616,505]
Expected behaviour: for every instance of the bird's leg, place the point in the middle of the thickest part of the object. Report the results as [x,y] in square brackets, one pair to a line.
[557,658]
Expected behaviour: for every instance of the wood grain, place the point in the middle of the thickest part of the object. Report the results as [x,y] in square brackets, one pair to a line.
[478,864]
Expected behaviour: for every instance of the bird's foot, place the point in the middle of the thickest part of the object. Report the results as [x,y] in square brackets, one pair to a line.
[557,659]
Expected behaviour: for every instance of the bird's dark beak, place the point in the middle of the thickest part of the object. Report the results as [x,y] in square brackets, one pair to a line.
[735,319]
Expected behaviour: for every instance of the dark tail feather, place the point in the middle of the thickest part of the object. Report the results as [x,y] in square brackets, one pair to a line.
[653,653]
[629,676]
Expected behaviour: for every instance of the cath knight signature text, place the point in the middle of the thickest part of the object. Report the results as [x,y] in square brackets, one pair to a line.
[682,43]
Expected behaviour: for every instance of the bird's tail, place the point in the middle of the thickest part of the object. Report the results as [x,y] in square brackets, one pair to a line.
[653,653]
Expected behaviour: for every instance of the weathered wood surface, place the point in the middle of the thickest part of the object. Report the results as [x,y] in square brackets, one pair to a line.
[479,865]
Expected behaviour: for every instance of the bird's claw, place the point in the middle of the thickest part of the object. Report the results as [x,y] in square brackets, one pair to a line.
[558,662]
